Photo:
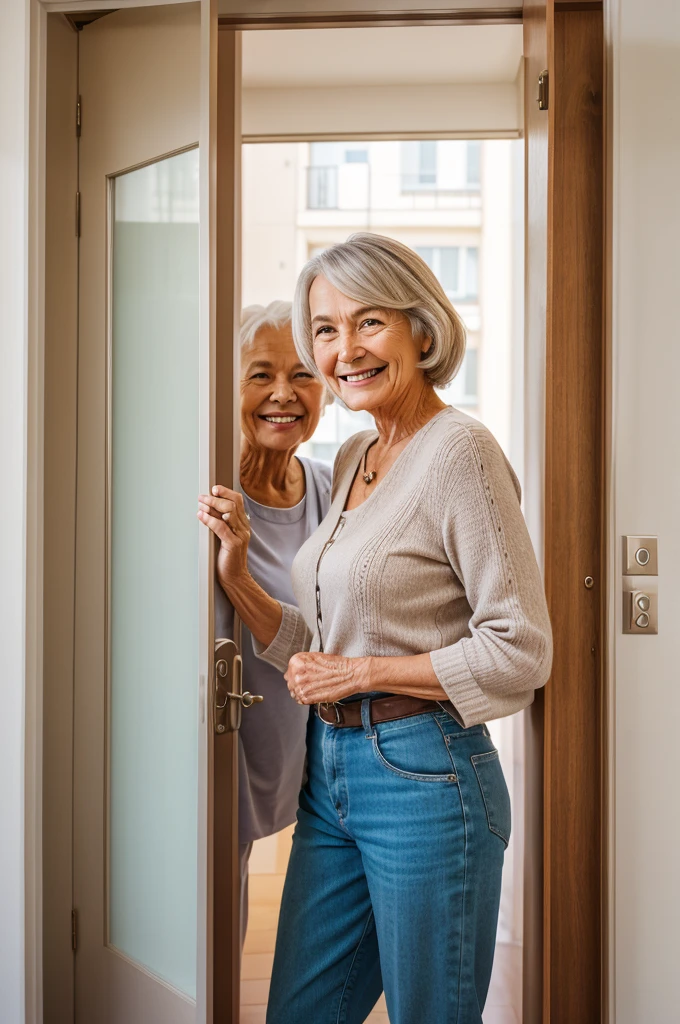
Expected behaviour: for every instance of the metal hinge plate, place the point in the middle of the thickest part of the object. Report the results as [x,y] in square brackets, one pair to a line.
[74,930]
[543,90]
[79,117]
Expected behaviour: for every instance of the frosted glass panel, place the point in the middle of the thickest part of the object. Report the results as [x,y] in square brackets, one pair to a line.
[154,569]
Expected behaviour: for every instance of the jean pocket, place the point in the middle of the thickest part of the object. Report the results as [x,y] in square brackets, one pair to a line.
[494,793]
[415,750]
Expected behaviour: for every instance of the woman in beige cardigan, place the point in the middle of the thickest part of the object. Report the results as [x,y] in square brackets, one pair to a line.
[421,616]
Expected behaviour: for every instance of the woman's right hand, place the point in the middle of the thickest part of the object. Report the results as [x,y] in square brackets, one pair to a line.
[224,513]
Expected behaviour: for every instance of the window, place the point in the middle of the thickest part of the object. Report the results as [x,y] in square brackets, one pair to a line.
[455,267]
[322,188]
[327,188]
[463,390]
[418,165]
[474,165]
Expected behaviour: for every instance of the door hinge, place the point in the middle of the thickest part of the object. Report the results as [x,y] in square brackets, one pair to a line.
[543,91]
[79,117]
[74,929]
[77,214]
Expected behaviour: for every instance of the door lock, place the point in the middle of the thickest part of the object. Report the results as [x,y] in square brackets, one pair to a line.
[230,699]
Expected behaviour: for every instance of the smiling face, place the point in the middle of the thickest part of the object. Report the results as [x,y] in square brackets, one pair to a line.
[281,401]
[367,355]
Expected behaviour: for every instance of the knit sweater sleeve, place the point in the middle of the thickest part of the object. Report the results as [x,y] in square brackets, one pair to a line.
[293,636]
[508,652]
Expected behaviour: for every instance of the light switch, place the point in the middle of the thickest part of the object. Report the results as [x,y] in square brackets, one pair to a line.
[640,609]
[640,556]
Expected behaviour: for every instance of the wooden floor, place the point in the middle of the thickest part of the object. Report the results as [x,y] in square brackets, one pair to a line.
[268,866]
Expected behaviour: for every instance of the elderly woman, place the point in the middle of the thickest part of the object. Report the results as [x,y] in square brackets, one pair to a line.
[421,617]
[286,497]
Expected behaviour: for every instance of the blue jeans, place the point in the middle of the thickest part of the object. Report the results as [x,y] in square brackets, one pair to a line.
[395,875]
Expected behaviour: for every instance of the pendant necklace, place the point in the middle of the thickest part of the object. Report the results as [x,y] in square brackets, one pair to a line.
[369,477]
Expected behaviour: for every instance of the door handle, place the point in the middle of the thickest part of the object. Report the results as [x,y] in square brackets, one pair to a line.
[230,698]
[247,699]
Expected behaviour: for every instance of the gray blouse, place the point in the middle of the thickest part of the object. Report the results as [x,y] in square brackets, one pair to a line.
[273,734]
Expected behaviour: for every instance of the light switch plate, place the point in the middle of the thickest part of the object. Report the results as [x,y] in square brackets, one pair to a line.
[640,607]
[640,556]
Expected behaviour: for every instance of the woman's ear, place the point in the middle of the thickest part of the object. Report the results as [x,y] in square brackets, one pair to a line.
[426,345]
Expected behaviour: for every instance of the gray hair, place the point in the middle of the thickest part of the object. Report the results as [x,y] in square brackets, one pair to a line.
[384,273]
[253,318]
[276,315]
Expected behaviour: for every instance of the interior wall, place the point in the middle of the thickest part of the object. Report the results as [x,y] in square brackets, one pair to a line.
[14,257]
[644,41]
[352,111]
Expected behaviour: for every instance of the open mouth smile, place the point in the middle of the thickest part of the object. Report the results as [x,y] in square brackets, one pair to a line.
[281,419]
[355,378]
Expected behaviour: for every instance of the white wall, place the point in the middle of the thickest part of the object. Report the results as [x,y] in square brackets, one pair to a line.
[351,111]
[645,488]
[13,420]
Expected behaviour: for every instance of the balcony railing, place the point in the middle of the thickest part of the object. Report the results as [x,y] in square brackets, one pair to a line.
[322,188]
[360,187]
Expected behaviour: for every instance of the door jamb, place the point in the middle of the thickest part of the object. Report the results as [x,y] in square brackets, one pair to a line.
[34,464]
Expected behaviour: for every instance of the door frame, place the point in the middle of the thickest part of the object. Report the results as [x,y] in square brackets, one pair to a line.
[566,880]
[562,744]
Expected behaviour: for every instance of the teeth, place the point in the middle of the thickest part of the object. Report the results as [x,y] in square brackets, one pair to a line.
[281,419]
[362,376]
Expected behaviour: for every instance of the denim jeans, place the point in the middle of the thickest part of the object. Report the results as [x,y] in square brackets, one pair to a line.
[395,875]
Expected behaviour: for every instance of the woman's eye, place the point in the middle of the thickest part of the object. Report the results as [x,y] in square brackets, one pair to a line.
[371,321]
[324,330]
[259,376]
[303,376]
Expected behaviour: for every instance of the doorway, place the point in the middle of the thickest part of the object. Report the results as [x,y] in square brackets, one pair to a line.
[457,199]
[564,908]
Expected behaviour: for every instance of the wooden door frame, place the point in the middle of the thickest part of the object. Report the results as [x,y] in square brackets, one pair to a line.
[566,884]
[563,747]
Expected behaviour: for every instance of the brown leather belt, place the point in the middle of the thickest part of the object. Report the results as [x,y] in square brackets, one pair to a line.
[382,709]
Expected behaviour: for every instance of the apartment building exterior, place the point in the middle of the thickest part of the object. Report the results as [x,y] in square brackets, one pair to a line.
[457,202]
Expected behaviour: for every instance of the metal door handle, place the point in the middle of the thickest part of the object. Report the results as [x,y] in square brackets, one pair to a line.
[247,699]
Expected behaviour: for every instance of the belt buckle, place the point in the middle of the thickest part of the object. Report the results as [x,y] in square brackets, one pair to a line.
[332,704]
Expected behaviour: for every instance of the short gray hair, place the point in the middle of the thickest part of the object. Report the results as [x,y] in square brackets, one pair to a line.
[253,318]
[384,273]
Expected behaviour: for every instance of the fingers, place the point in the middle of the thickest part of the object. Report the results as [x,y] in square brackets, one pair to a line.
[218,526]
[228,505]
[315,677]
[215,505]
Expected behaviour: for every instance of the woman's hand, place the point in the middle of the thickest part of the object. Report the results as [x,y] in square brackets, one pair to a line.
[224,513]
[316,678]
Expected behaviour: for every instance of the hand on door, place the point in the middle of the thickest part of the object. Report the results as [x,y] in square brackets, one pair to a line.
[224,513]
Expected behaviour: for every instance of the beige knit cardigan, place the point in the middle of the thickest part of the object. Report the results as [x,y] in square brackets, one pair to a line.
[437,559]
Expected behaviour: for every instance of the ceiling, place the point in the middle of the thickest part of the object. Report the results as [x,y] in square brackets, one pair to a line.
[382,56]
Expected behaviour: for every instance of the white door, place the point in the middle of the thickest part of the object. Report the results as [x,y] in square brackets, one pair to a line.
[144,750]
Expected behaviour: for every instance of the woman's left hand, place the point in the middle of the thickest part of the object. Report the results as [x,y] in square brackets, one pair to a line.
[316,678]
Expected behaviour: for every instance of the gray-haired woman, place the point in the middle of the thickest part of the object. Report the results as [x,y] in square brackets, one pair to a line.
[286,498]
[421,616]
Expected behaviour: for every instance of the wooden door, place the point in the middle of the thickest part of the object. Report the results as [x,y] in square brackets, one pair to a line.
[154,780]
[565,146]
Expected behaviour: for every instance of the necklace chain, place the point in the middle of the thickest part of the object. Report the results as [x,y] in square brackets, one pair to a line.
[369,477]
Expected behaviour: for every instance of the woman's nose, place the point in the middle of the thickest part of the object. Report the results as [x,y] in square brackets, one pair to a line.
[282,392]
[350,347]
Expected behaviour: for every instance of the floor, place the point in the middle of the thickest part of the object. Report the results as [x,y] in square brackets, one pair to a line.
[268,865]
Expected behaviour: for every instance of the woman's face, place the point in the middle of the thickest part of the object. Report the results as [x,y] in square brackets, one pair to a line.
[367,355]
[280,400]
